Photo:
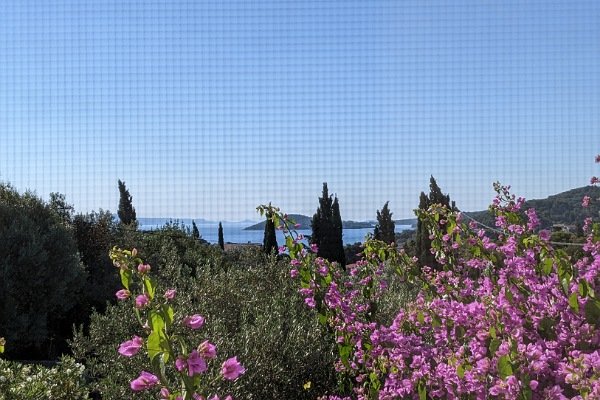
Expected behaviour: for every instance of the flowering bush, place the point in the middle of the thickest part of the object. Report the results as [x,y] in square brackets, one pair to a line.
[36,382]
[508,316]
[176,367]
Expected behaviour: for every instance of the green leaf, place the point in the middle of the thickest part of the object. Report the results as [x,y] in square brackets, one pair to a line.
[2,343]
[153,345]
[547,267]
[574,301]
[150,286]
[168,313]
[583,288]
[422,391]
[420,317]
[494,344]
[125,277]
[492,332]
[592,311]
[157,322]
[436,322]
[504,367]
[460,371]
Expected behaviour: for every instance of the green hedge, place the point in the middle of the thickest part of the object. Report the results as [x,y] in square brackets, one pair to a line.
[36,382]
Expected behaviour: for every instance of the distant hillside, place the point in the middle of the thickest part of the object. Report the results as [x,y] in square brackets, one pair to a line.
[305,221]
[407,221]
[563,208]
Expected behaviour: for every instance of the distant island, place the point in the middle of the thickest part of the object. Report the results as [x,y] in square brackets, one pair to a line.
[305,221]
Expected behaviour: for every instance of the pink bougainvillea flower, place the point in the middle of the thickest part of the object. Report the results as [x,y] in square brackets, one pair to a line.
[131,347]
[170,294]
[193,363]
[207,350]
[232,369]
[141,301]
[194,321]
[586,201]
[145,381]
[314,248]
[143,268]
[123,294]
[164,394]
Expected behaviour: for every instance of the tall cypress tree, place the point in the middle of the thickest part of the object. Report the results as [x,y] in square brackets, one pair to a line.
[385,228]
[327,228]
[126,211]
[269,239]
[423,243]
[338,229]
[195,231]
[221,240]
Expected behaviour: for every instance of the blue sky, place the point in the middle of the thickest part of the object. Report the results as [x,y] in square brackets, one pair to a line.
[208,108]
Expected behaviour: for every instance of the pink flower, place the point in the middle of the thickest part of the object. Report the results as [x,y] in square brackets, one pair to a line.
[598,158]
[164,394]
[545,234]
[293,273]
[207,350]
[314,248]
[123,294]
[232,369]
[143,268]
[131,347]
[196,396]
[170,294]
[594,180]
[141,301]
[310,302]
[145,381]
[194,364]
[194,321]
[586,201]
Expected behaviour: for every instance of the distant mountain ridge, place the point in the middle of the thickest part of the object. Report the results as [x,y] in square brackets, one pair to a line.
[305,222]
[563,208]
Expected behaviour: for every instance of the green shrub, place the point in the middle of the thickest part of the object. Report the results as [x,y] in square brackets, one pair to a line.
[36,382]
[41,278]
[252,310]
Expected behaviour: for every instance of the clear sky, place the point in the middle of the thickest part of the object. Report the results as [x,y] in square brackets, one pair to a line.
[208,108]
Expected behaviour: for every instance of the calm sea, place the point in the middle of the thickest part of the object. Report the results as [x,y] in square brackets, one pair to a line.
[233,232]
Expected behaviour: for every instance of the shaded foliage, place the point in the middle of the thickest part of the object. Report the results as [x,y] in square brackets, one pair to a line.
[327,228]
[41,278]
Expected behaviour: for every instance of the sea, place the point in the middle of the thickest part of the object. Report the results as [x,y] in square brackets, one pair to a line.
[234,232]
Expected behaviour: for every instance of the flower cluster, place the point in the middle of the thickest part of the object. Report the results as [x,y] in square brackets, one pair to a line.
[507,317]
[174,369]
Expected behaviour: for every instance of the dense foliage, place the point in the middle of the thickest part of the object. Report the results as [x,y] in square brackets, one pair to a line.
[385,228]
[423,242]
[252,310]
[41,278]
[326,227]
[126,211]
[23,382]
[269,238]
[505,317]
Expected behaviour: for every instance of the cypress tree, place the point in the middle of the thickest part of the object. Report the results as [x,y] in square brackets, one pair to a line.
[327,228]
[195,231]
[221,241]
[126,211]
[269,239]
[385,228]
[423,243]
[338,229]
